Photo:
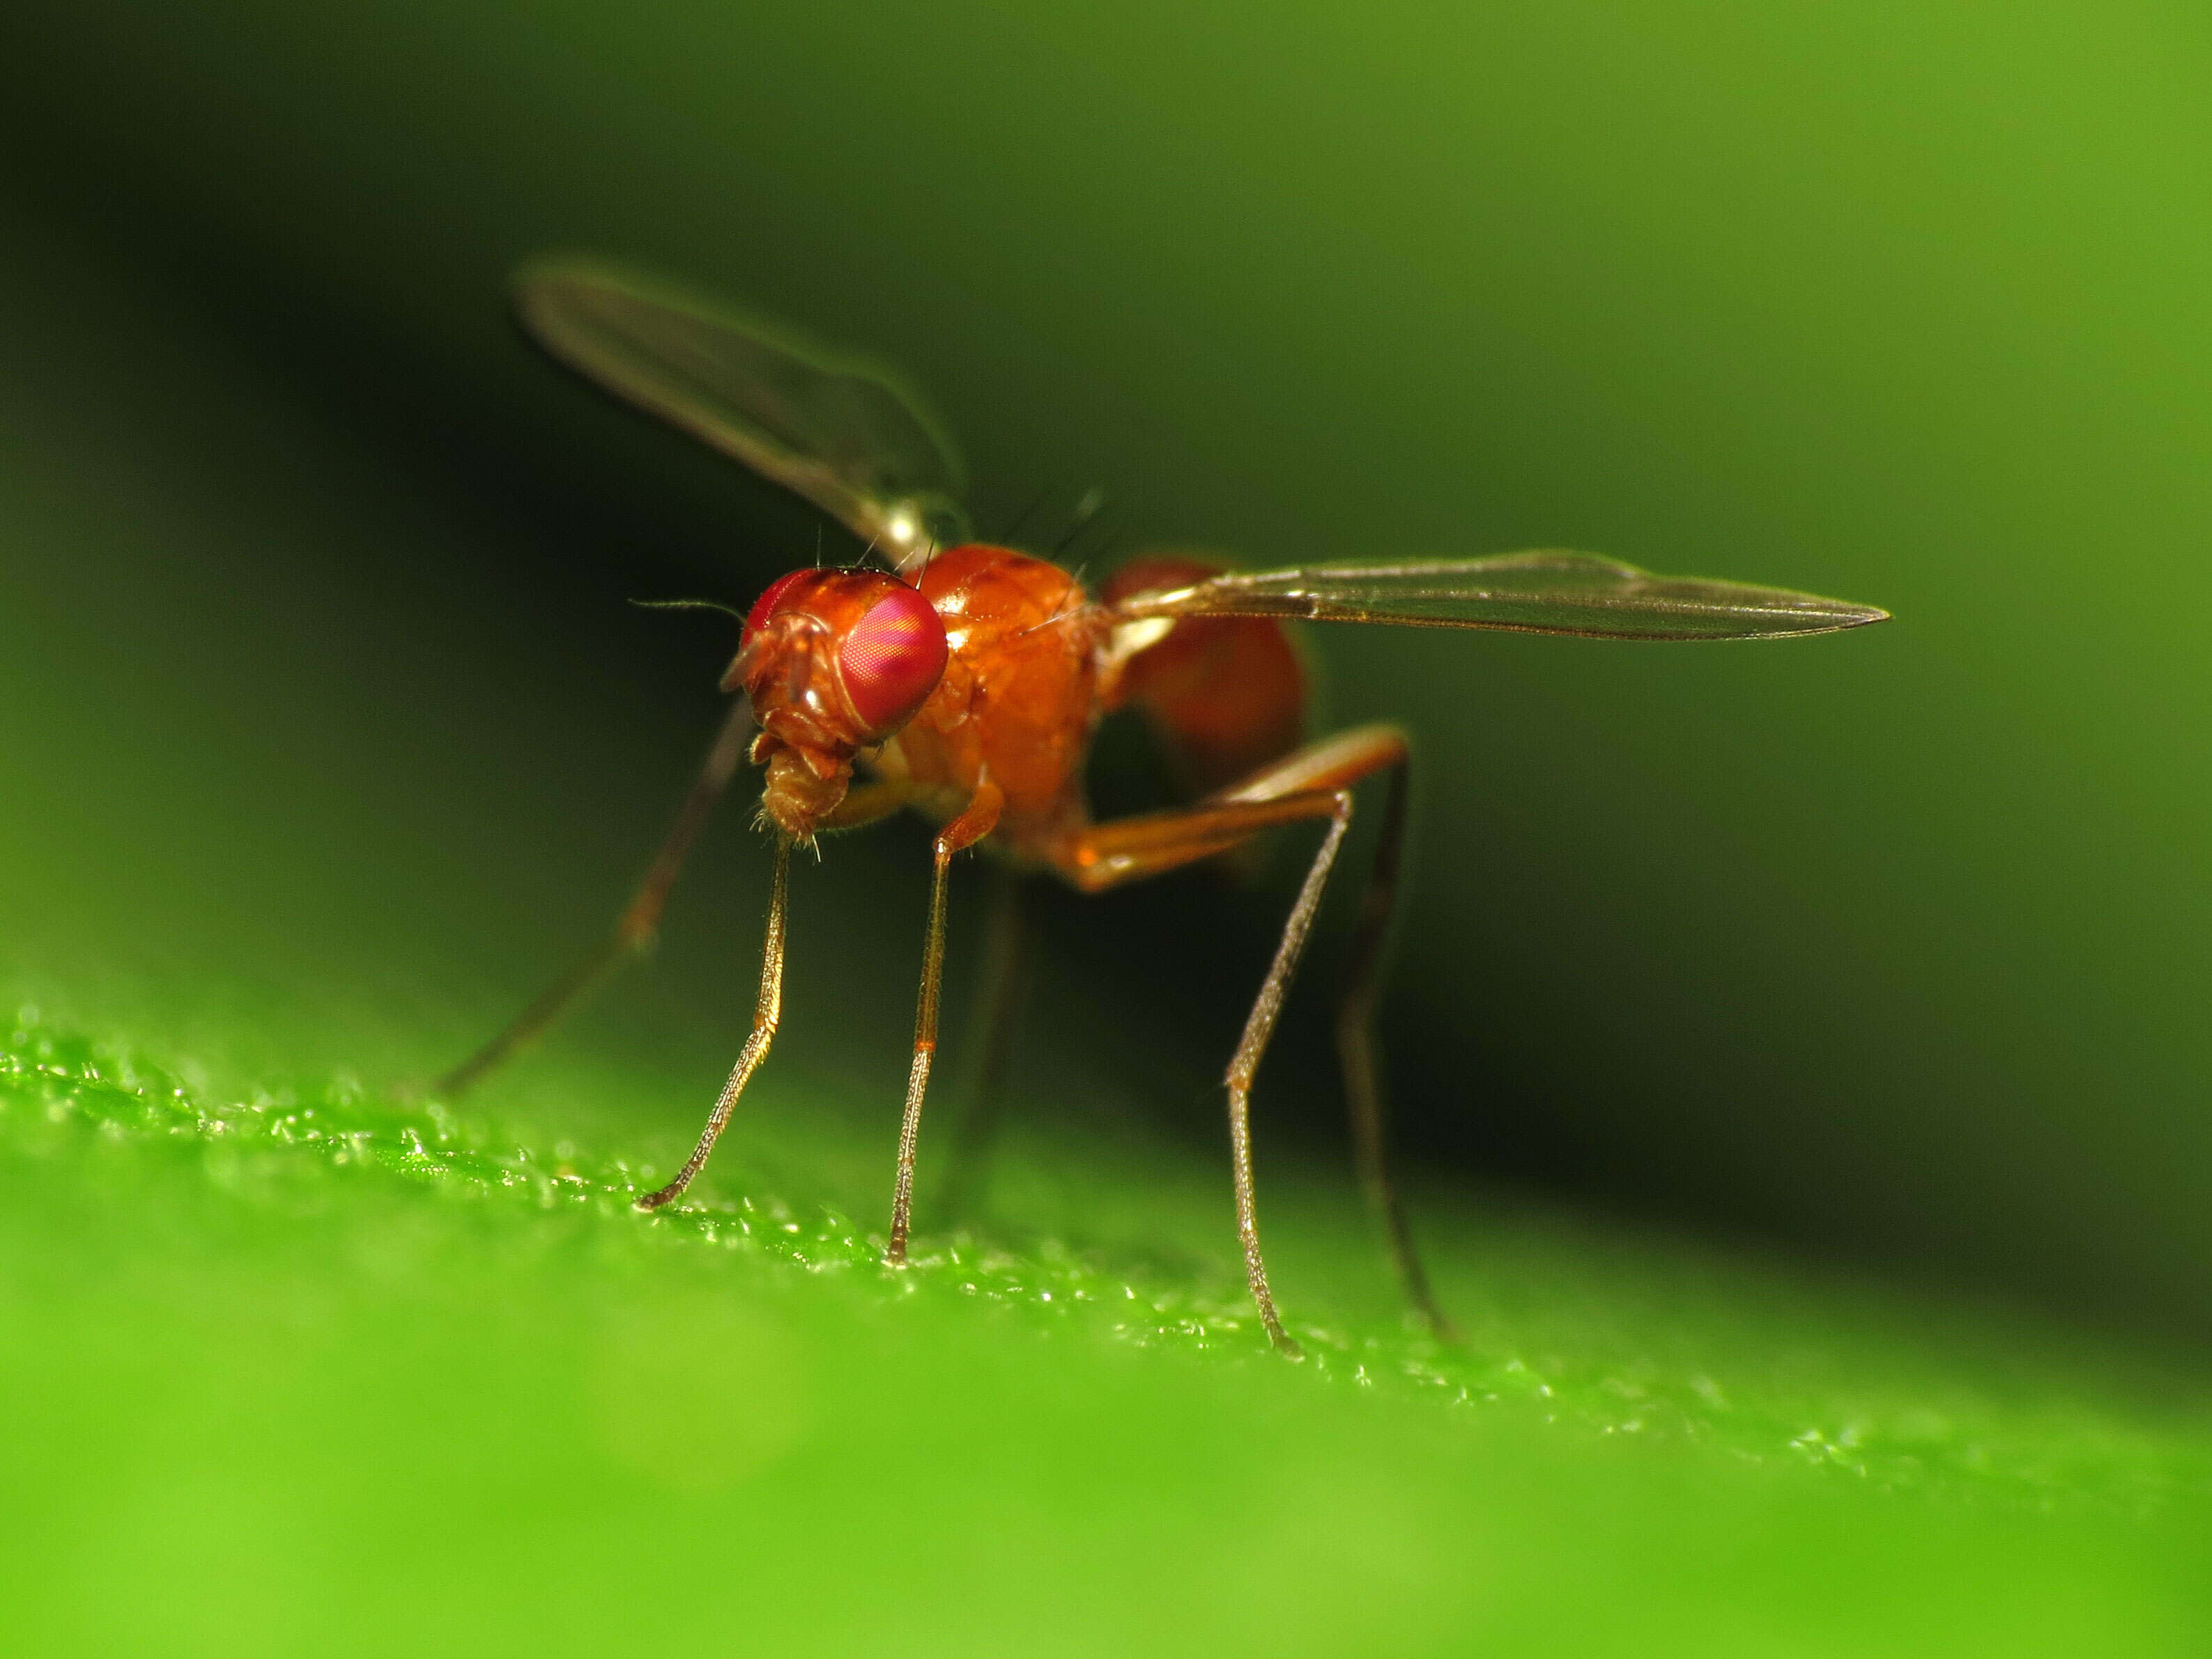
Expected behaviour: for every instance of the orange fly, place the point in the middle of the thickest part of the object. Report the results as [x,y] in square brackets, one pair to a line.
[965,680]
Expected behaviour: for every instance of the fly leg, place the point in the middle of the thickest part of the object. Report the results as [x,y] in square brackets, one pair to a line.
[1356,1051]
[766,1012]
[1350,756]
[861,806]
[634,929]
[1313,782]
[977,821]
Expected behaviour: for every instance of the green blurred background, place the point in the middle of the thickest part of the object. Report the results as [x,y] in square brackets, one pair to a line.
[328,732]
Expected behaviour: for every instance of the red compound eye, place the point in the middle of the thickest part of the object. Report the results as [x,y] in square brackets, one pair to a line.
[892,659]
[764,606]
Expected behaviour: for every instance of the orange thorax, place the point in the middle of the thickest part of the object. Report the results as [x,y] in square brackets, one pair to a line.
[1018,697]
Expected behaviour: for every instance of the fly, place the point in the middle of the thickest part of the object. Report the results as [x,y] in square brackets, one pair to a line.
[965,680]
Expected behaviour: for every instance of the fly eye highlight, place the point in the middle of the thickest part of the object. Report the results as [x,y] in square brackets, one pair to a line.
[892,659]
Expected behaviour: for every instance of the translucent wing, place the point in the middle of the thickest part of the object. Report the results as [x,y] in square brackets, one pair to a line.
[1541,593]
[840,430]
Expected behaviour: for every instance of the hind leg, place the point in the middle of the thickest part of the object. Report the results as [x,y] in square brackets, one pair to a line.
[1312,783]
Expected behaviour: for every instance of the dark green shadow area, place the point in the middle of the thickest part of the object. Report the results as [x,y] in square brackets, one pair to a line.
[1889,946]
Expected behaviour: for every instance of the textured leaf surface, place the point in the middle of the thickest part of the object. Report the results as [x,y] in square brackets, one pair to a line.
[390,1371]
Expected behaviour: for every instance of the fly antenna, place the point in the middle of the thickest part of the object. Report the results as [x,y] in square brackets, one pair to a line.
[689,605]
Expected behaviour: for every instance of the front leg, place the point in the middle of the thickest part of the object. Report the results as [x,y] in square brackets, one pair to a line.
[766,1012]
[977,821]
